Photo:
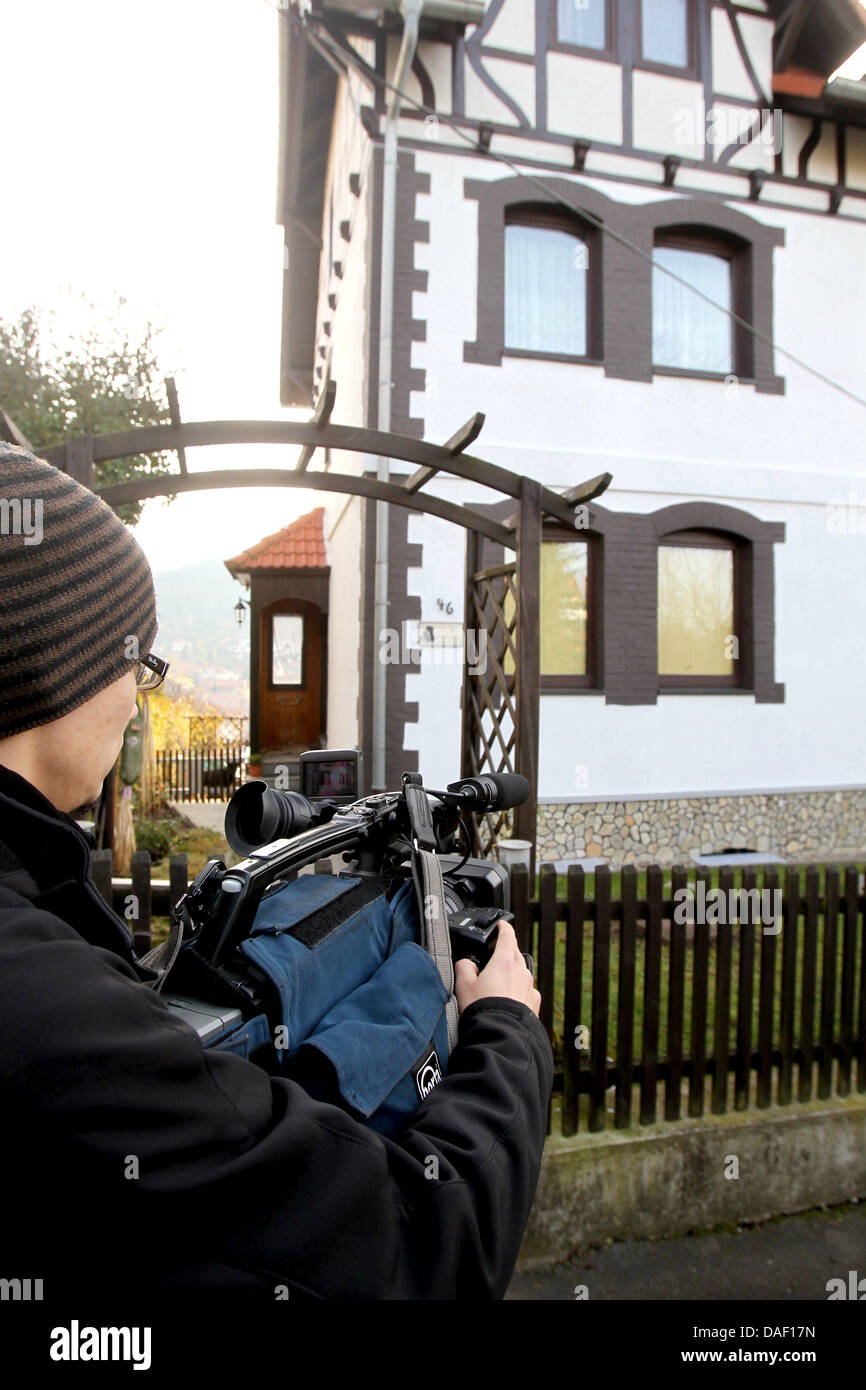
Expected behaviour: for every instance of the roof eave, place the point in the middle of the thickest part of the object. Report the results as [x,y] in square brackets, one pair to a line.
[819,35]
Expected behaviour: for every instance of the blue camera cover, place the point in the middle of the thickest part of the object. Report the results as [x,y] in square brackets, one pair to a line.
[355,984]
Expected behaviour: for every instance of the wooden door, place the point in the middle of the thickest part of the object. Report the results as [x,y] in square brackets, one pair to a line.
[290,700]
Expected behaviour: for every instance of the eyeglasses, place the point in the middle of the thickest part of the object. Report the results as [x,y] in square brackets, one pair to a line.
[150,672]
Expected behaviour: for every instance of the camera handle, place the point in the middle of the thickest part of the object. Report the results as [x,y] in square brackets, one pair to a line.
[427,874]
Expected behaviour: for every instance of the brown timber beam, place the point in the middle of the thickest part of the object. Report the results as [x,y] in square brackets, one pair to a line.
[11,433]
[574,497]
[455,445]
[585,492]
[528,656]
[359,486]
[324,406]
[153,438]
[78,459]
[174,412]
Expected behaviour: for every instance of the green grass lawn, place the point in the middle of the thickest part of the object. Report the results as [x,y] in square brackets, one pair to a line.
[198,845]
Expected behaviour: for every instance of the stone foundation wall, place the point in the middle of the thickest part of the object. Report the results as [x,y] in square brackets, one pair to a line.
[800,826]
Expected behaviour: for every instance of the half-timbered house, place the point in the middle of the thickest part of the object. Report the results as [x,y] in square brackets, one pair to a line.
[632,233]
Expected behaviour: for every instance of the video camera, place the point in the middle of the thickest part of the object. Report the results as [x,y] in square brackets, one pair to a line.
[281,832]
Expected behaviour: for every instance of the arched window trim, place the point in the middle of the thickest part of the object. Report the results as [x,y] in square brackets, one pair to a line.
[622,277]
[623,616]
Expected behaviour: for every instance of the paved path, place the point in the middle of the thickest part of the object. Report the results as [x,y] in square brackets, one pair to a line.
[789,1257]
[210,815]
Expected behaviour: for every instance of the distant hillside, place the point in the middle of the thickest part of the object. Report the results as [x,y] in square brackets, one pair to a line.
[198,631]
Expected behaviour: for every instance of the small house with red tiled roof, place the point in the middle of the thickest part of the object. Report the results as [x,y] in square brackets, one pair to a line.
[287,574]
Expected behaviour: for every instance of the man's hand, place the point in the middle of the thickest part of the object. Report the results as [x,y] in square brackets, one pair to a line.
[504,977]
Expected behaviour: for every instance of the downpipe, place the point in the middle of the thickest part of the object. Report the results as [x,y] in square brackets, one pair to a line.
[411,21]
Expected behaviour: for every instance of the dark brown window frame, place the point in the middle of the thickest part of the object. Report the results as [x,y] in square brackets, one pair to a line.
[570,684]
[625,340]
[623,596]
[287,685]
[711,540]
[707,239]
[692,68]
[546,216]
[609,52]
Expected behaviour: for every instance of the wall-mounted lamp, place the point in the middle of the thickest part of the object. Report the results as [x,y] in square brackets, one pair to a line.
[239,611]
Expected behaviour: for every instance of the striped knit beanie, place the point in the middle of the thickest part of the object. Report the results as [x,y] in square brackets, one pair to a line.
[77,605]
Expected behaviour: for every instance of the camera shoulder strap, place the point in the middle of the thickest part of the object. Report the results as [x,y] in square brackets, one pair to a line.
[434,925]
[163,956]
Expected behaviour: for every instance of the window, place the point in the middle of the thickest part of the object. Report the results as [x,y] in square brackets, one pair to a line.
[582,22]
[565,293]
[546,287]
[698,619]
[666,32]
[689,333]
[287,649]
[564,608]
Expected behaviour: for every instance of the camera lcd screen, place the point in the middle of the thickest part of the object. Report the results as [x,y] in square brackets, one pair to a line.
[331,779]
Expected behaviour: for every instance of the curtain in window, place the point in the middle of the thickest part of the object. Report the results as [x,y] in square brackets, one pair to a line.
[545,290]
[695,611]
[687,331]
[664,32]
[583,22]
[563,607]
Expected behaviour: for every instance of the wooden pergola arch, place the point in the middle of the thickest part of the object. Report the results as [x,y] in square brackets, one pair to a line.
[500,704]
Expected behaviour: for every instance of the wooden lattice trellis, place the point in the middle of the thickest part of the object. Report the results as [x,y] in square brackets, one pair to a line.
[490,716]
[501,696]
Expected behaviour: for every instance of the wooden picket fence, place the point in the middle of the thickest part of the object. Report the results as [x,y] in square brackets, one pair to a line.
[650,1016]
[140,898]
[210,772]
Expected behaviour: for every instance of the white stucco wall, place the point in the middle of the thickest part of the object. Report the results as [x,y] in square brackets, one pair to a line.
[513,27]
[785,458]
[728,742]
[437,684]
[346,364]
[584,97]
[344,547]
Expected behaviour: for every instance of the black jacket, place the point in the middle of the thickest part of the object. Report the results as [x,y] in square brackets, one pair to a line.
[243,1181]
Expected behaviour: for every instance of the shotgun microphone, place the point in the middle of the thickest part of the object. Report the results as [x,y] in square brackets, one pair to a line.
[494,791]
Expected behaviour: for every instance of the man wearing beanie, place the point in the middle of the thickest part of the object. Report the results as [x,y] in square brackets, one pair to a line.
[135,1163]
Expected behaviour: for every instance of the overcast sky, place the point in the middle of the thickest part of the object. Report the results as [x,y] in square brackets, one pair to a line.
[139,157]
